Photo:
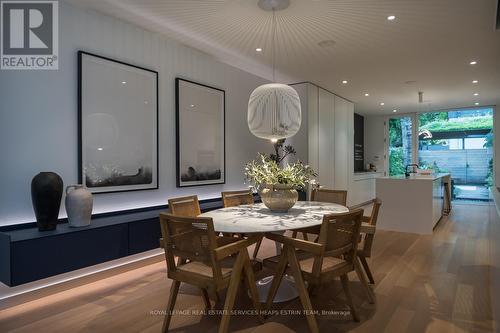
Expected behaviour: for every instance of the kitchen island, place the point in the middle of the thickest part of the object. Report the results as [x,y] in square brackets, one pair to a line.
[413,204]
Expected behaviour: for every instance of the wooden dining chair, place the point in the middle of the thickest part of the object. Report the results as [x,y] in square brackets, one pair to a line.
[323,195]
[185,206]
[209,266]
[332,196]
[333,256]
[237,198]
[365,246]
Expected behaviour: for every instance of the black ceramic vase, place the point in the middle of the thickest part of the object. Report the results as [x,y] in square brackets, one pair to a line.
[46,193]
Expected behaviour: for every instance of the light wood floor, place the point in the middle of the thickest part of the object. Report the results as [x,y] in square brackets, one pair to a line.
[437,283]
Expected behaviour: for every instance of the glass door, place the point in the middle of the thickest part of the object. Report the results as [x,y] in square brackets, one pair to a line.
[400,144]
[459,142]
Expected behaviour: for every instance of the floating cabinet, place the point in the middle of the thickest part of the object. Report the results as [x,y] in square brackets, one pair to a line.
[27,254]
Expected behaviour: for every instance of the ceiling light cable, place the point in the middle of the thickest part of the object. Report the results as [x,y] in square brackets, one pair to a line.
[274,44]
[274,111]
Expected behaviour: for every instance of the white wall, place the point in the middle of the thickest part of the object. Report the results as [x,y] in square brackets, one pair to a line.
[374,141]
[38,113]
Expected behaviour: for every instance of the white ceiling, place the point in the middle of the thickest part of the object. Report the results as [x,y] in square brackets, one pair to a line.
[430,43]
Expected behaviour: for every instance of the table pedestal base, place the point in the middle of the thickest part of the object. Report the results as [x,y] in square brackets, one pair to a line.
[286,291]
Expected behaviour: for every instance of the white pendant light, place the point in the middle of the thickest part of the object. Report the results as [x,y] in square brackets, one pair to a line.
[274,109]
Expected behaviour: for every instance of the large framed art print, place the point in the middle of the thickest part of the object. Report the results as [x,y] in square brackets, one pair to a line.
[118,125]
[200,111]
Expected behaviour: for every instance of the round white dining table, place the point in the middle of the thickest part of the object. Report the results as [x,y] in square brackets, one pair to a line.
[257,218]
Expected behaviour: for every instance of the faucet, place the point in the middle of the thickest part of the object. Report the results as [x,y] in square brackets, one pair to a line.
[407,174]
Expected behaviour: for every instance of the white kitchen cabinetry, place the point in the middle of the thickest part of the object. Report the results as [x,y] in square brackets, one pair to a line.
[328,120]
[344,144]
[318,106]
[363,187]
[326,148]
[330,136]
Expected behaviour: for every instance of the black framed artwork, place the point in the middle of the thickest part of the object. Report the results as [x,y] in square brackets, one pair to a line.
[200,129]
[118,125]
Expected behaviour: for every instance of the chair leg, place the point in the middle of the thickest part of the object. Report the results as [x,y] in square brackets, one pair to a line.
[256,249]
[294,234]
[362,279]
[345,285]
[278,276]
[367,269]
[174,289]
[216,297]
[206,299]
[250,279]
[311,288]
[304,236]
[231,293]
[301,288]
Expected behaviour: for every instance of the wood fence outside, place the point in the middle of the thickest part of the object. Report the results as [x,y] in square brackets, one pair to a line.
[467,166]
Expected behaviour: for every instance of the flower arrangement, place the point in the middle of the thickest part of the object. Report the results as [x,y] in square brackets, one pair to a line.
[265,172]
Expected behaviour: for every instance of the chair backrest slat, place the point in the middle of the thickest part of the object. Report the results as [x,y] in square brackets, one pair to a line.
[185,206]
[237,198]
[332,196]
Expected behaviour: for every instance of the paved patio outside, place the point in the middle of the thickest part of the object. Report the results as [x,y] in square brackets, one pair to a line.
[472,192]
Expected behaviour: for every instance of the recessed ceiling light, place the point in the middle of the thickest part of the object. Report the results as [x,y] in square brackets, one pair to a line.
[382,103]
[367,94]
[477,103]
[473,62]
[258,49]
[476,94]
[327,43]
[100,149]
[391,18]
[394,110]
[124,82]
[344,82]
[191,106]
[475,81]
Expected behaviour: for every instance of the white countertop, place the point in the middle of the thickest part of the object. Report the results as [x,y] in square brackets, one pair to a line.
[415,176]
[367,175]
[367,172]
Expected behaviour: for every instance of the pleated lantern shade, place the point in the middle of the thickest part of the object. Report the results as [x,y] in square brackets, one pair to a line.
[274,111]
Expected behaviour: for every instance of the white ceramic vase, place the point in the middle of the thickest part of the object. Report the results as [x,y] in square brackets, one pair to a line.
[78,205]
